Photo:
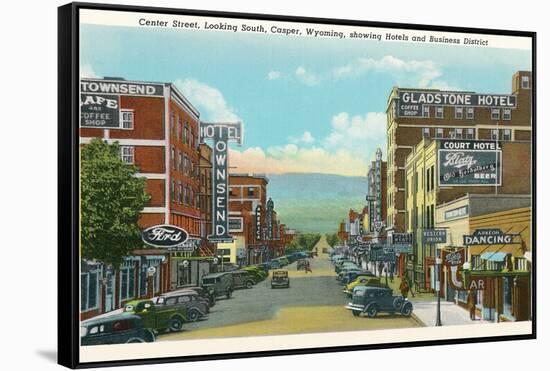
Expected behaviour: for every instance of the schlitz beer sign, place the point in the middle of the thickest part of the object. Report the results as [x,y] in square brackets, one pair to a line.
[221,134]
[489,236]
[164,236]
[454,260]
[412,103]
[469,163]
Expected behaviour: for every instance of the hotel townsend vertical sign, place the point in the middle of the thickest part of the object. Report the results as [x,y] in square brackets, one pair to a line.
[221,133]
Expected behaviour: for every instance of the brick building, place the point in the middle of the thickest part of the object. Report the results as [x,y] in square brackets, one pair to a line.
[460,115]
[157,130]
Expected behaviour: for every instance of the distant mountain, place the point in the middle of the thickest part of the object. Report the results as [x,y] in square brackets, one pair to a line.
[312,202]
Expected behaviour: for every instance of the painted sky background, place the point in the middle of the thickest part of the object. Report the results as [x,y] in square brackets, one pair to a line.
[308,104]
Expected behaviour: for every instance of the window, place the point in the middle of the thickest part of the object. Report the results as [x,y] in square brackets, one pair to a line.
[186,165]
[425,111]
[428,184]
[495,114]
[191,196]
[459,113]
[186,194]
[191,137]
[173,191]
[180,192]
[186,133]
[439,133]
[173,157]
[470,113]
[494,134]
[180,165]
[127,118]
[525,82]
[470,134]
[439,112]
[178,129]
[127,283]
[426,132]
[127,154]
[250,191]
[458,133]
[507,114]
[172,118]
[89,283]
[507,134]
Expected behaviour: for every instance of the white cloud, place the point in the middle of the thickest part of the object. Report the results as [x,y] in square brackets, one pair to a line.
[305,138]
[209,100]
[274,75]
[291,158]
[87,71]
[307,77]
[417,73]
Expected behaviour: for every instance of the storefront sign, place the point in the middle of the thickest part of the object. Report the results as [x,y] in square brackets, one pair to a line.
[492,236]
[99,111]
[380,253]
[258,222]
[121,88]
[164,236]
[221,134]
[269,219]
[402,238]
[461,166]
[434,236]
[235,224]
[477,284]
[459,212]
[411,103]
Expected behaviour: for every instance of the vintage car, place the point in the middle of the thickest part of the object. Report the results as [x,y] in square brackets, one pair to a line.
[374,300]
[158,317]
[221,284]
[242,279]
[280,278]
[197,307]
[284,261]
[351,275]
[367,280]
[115,329]
[345,266]
[258,273]
[207,295]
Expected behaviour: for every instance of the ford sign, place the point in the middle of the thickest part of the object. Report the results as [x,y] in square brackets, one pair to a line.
[164,236]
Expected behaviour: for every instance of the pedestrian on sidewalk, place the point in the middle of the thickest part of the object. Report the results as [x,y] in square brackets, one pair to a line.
[380,269]
[307,267]
[404,287]
[392,267]
[472,299]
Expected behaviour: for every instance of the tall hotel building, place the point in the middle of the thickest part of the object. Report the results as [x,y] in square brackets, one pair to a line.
[498,122]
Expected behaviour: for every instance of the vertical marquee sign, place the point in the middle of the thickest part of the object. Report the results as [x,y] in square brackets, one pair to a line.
[221,133]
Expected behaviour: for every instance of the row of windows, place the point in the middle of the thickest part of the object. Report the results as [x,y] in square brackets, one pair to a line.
[182,131]
[183,164]
[468,113]
[184,194]
[249,192]
[459,133]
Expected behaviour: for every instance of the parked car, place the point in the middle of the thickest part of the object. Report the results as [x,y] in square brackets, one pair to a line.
[197,307]
[284,260]
[351,275]
[207,295]
[242,279]
[347,265]
[115,329]
[256,272]
[221,284]
[374,300]
[275,264]
[363,281]
[280,278]
[158,318]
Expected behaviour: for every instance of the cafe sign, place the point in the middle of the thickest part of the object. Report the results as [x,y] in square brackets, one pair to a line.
[490,236]
[164,236]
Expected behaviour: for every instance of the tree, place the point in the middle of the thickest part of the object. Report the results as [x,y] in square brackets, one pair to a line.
[303,241]
[112,198]
[332,239]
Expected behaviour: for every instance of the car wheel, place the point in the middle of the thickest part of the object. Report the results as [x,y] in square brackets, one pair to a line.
[193,315]
[249,285]
[176,324]
[135,340]
[407,309]
[371,311]
[356,313]
[398,302]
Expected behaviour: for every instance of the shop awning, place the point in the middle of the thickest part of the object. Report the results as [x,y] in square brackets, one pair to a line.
[493,256]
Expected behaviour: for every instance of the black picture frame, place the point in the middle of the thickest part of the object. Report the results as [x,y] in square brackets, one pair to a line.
[68,180]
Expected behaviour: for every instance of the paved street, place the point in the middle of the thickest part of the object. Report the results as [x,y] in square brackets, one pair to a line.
[313,303]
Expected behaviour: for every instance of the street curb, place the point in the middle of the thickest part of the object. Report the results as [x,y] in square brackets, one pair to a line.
[418,320]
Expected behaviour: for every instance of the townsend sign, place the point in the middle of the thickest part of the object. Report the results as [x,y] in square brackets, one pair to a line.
[220,133]
[411,103]
[164,236]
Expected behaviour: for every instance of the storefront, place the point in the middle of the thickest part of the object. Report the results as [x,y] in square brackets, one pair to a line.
[187,271]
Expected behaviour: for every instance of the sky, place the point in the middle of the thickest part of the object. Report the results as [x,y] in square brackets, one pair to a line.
[307,104]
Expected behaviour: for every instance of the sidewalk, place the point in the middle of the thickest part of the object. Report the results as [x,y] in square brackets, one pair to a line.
[451,314]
